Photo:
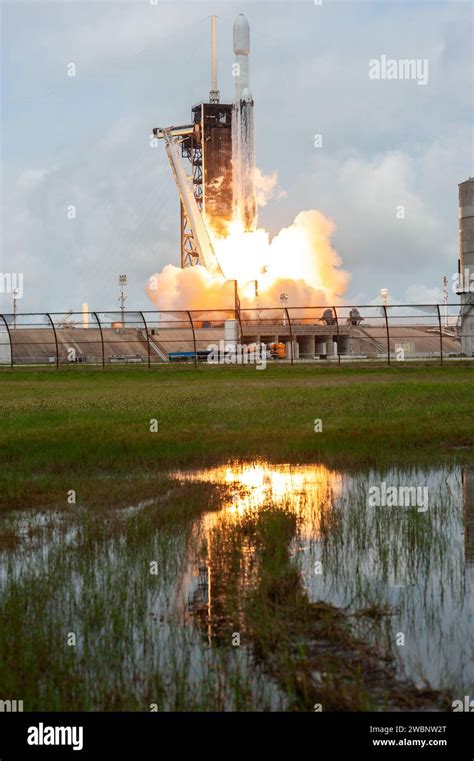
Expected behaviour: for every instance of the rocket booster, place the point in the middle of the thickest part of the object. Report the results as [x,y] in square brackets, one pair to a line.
[242,51]
[243,130]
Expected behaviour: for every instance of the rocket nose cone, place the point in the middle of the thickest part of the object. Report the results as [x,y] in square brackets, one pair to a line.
[241,35]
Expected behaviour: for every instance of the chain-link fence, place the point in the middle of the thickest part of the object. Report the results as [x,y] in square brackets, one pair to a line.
[330,334]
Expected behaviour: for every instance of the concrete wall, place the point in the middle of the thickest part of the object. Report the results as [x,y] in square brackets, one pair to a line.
[306,347]
[467,329]
[466,226]
[466,263]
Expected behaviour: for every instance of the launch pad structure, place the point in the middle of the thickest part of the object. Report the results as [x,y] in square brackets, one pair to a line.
[380,335]
[219,136]
[209,151]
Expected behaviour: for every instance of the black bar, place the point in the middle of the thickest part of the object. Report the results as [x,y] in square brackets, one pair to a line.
[154,735]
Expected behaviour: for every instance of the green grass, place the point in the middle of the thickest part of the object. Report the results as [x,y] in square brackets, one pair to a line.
[86,626]
[90,430]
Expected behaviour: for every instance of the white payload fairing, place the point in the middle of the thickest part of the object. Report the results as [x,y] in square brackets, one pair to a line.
[243,150]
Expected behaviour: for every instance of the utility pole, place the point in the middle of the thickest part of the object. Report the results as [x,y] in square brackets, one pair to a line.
[15,296]
[122,297]
[446,299]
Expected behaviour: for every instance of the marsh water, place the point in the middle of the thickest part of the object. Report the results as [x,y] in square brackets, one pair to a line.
[414,564]
[401,566]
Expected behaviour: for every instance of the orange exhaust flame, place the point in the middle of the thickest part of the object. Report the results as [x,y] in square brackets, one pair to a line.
[299,262]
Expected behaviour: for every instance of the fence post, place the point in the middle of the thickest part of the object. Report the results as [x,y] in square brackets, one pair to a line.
[194,336]
[238,318]
[10,339]
[440,336]
[337,328]
[55,340]
[101,338]
[147,337]
[388,333]
[291,333]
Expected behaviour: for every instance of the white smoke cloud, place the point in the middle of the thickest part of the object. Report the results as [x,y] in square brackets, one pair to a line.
[299,262]
[266,187]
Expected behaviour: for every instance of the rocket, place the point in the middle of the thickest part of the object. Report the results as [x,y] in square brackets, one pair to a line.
[243,150]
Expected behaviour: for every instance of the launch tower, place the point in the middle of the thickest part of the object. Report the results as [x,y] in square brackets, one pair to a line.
[219,147]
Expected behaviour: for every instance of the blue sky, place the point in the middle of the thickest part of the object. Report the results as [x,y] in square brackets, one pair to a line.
[84,140]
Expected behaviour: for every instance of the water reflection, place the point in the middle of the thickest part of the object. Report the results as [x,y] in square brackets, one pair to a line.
[417,566]
[308,489]
[207,585]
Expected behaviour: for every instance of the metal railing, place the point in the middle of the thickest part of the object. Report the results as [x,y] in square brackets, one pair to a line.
[438,332]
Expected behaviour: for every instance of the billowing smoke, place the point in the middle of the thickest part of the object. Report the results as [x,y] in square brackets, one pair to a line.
[190,288]
[266,186]
[299,262]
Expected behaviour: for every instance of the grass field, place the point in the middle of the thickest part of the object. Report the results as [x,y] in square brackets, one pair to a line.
[90,430]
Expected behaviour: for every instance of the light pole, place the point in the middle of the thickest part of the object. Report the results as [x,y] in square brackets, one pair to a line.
[446,300]
[283,300]
[15,296]
[122,297]
[236,295]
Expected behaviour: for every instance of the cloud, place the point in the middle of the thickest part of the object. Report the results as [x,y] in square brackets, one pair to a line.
[118,223]
[420,294]
[394,224]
